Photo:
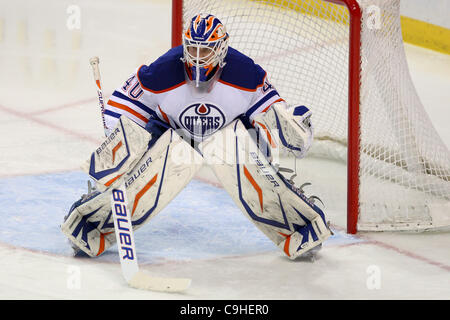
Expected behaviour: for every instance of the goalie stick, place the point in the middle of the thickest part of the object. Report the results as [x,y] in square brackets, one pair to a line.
[123,226]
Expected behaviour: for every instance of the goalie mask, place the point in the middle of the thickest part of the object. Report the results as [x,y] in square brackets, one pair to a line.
[205,45]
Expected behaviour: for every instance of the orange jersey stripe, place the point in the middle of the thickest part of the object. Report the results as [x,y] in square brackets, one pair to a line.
[242,88]
[267,108]
[127,109]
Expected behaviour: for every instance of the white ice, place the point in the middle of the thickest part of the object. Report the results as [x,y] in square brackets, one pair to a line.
[49,125]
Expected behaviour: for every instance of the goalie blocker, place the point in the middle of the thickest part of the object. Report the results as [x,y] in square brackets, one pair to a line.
[278,208]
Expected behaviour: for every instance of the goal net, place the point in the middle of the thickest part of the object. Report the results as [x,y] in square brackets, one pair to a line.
[345,60]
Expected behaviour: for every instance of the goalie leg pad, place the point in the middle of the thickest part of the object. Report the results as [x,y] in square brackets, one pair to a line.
[285,215]
[151,184]
[118,154]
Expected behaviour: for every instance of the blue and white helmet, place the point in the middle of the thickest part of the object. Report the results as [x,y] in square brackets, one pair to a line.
[205,45]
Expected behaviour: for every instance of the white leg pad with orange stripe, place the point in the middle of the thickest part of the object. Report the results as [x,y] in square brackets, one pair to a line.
[283,213]
[153,181]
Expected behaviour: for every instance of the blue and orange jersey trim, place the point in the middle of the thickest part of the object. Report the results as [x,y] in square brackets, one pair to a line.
[241,72]
[164,74]
[168,72]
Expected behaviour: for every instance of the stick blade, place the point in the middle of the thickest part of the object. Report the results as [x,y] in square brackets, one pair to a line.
[143,281]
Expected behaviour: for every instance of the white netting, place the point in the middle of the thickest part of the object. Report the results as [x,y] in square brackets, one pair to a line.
[304,47]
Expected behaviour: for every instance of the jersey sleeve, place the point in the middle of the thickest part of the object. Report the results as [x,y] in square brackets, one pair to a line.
[132,101]
[264,96]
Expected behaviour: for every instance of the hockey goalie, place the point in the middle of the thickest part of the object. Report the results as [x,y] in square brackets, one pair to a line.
[202,103]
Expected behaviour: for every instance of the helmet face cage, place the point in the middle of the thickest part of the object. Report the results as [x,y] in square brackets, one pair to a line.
[205,45]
